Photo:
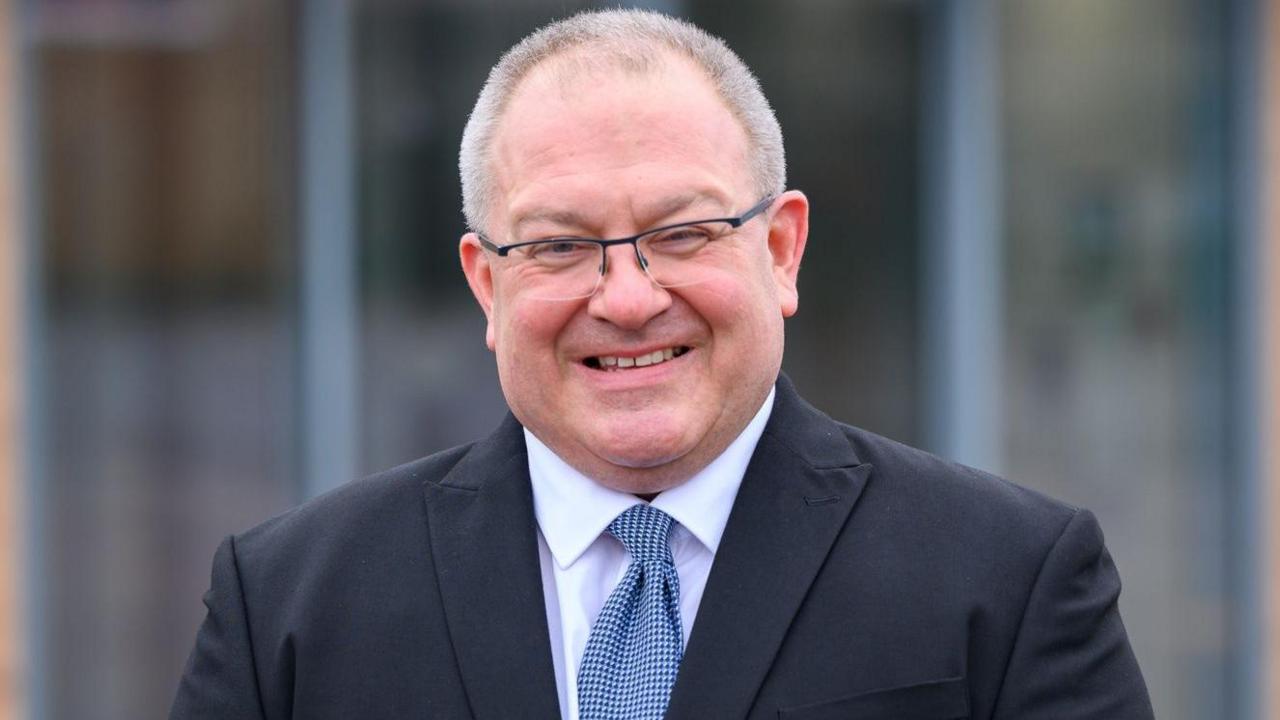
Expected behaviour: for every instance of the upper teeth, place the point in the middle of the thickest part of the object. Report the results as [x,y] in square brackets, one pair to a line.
[653,358]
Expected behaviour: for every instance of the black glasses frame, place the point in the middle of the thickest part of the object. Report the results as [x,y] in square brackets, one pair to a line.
[733,222]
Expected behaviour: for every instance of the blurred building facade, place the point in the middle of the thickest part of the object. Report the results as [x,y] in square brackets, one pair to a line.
[1040,245]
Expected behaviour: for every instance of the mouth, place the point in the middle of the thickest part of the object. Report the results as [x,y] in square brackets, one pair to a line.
[618,363]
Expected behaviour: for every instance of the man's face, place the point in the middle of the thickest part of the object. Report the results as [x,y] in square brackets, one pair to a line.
[609,154]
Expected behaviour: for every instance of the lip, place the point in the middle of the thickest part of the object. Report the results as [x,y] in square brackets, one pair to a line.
[634,377]
[631,353]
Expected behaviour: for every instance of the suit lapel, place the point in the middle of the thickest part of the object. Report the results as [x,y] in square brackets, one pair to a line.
[799,489]
[484,543]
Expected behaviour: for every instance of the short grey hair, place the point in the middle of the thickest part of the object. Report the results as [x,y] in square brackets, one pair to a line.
[624,39]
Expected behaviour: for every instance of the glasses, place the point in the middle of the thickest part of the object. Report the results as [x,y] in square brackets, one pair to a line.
[569,268]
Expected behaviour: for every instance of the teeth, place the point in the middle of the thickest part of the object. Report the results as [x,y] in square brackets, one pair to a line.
[613,362]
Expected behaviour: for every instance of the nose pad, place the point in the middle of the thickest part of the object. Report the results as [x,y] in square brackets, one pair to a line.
[644,261]
[641,261]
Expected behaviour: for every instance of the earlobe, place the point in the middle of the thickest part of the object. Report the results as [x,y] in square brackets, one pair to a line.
[788,234]
[479,272]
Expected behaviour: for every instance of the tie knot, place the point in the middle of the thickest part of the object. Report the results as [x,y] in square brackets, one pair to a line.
[643,532]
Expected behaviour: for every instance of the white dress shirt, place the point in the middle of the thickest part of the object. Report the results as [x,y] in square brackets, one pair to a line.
[581,563]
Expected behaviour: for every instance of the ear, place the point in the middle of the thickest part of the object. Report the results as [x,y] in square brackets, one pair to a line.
[479,272]
[788,233]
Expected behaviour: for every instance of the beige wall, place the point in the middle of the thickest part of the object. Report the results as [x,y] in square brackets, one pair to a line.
[9,381]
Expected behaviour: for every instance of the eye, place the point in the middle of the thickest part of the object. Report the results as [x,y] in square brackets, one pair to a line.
[560,251]
[682,240]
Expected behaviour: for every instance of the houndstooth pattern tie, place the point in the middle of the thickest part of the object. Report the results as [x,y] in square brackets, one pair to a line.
[635,646]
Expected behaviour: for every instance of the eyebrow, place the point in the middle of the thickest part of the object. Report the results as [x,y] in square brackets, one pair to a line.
[663,208]
[561,218]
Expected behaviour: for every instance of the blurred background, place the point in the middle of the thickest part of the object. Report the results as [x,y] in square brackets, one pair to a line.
[1043,244]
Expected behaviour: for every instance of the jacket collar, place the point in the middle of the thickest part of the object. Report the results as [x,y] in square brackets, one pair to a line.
[800,486]
[484,544]
[798,492]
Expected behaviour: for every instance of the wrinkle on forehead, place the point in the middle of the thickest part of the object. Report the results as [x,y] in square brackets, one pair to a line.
[645,212]
[574,75]
[566,131]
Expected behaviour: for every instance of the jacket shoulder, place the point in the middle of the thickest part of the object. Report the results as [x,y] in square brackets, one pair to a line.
[332,598]
[963,499]
[363,508]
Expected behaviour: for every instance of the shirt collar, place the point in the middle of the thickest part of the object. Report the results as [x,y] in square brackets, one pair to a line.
[573,510]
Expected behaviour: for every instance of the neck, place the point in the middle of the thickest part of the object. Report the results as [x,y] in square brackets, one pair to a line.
[647,482]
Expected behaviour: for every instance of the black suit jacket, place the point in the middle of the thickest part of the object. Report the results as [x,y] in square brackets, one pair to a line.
[856,578]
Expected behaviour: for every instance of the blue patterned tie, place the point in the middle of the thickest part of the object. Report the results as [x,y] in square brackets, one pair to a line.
[635,646]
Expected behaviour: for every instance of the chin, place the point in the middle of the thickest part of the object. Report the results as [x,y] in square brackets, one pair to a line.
[643,442]
[641,456]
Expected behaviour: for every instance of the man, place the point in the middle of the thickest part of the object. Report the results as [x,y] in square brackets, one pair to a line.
[663,525]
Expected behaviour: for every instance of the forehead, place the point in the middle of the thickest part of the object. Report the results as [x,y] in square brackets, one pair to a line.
[584,130]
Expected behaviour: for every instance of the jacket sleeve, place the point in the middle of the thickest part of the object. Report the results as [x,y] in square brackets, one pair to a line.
[220,680]
[1072,658]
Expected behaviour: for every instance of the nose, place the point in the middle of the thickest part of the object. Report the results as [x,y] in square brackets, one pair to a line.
[627,296]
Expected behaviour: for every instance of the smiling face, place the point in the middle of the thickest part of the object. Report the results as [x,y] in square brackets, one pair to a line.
[637,386]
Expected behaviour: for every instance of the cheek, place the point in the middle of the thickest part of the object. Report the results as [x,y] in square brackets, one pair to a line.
[742,300]
[528,331]
[746,323]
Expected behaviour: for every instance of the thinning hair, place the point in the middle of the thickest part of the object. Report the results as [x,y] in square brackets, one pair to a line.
[624,40]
